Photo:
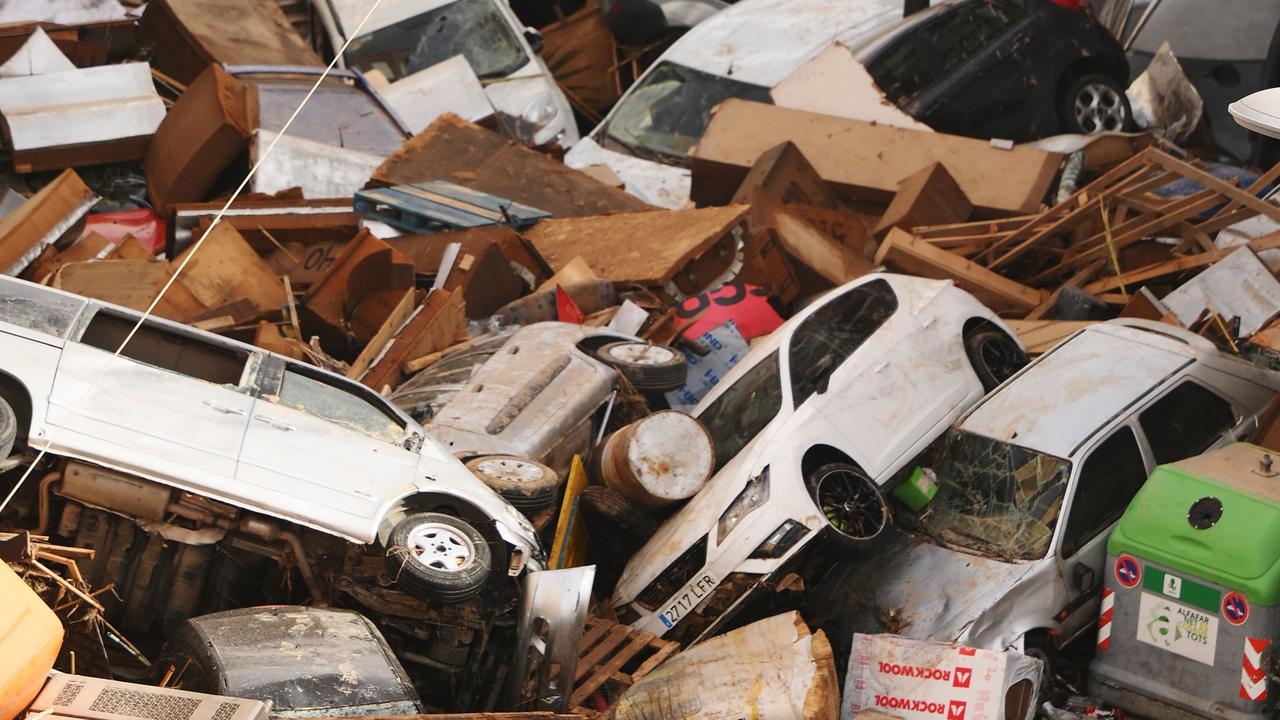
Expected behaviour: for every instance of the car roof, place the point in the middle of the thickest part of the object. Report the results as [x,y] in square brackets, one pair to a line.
[1063,398]
[763,41]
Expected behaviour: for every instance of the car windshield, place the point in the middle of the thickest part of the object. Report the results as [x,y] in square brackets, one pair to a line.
[744,409]
[475,29]
[663,116]
[995,498]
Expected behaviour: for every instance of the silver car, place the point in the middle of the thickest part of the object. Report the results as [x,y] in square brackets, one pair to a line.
[205,438]
[1010,551]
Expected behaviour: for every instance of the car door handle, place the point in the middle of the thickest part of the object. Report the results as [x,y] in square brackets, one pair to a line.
[277,424]
[223,408]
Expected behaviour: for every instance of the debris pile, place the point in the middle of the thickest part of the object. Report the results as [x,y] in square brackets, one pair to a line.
[381,387]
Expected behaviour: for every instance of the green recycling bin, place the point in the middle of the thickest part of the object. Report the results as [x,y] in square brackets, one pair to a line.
[1189,614]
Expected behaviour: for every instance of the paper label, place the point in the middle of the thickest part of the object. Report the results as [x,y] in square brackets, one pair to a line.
[1177,628]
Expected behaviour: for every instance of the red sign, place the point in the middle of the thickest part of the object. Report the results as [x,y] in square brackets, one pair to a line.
[955,709]
[1235,608]
[1128,571]
[962,677]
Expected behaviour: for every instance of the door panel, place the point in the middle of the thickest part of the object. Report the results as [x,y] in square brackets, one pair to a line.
[313,451]
[155,416]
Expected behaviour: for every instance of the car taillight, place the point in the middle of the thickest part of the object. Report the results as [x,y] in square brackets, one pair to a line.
[1078,5]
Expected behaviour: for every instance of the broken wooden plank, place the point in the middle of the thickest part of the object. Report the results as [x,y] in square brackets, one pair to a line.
[1179,265]
[227,269]
[929,196]
[438,325]
[1040,336]
[42,220]
[398,317]
[904,252]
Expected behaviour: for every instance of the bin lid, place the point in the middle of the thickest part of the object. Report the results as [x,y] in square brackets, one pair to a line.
[1215,516]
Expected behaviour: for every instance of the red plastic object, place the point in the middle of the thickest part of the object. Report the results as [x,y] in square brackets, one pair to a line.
[566,309]
[143,224]
[746,305]
[1081,5]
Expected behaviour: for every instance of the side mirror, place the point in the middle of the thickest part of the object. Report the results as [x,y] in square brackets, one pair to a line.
[1084,578]
[535,40]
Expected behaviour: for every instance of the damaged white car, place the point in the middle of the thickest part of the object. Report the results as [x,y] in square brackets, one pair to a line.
[807,428]
[189,448]
[1010,551]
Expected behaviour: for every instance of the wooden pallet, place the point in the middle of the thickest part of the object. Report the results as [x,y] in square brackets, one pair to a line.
[615,653]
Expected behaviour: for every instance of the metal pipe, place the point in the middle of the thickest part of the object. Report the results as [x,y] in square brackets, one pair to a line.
[295,544]
[42,501]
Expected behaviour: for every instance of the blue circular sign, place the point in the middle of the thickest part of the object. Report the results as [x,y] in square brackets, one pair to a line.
[1128,571]
[1235,608]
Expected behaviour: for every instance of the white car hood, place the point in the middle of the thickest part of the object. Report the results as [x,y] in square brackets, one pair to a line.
[665,186]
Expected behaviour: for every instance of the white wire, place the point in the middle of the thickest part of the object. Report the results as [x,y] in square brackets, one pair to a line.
[190,254]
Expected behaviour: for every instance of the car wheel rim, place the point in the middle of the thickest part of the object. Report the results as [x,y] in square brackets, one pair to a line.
[851,505]
[511,469]
[641,354]
[441,547]
[1099,108]
[1001,358]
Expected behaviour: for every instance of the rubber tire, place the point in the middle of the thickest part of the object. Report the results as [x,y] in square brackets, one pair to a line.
[976,341]
[1066,102]
[523,495]
[1035,643]
[661,377]
[617,510]
[842,540]
[427,583]
[8,429]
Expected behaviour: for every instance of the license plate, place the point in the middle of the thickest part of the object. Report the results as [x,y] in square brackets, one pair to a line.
[686,600]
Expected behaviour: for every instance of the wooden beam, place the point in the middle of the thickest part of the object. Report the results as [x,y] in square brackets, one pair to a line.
[1222,187]
[905,252]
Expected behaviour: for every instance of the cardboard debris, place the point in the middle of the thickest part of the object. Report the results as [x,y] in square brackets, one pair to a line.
[42,220]
[464,153]
[652,248]
[37,56]
[1238,286]
[438,323]
[80,117]
[494,266]
[203,134]
[919,680]
[866,162]
[446,87]
[773,668]
[349,304]
[834,83]
[186,36]
[130,283]
[227,269]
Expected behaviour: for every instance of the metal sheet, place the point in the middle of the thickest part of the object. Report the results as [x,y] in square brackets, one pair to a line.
[322,171]
[553,612]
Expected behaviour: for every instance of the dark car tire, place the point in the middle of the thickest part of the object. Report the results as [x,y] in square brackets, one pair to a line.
[995,356]
[647,365]
[8,429]
[526,484]
[615,509]
[439,557]
[1094,103]
[856,511]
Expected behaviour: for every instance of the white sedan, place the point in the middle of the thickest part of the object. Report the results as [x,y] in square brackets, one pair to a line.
[808,427]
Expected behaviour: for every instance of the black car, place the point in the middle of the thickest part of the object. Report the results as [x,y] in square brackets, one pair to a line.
[1016,69]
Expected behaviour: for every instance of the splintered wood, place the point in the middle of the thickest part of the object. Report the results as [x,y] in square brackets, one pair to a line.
[615,653]
[1082,240]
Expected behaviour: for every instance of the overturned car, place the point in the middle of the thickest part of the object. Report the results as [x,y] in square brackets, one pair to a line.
[808,428]
[205,472]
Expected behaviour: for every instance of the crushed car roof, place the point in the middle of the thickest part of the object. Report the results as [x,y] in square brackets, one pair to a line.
[763,41]
[1062,399]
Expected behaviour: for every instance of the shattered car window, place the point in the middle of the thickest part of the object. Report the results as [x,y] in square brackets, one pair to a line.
[475,29]
[668,111]
[36,308]
[338,405]
[995,498]
[831,334]
[744,409]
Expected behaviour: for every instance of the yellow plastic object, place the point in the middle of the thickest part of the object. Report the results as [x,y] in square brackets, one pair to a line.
[30,637]
[569,548]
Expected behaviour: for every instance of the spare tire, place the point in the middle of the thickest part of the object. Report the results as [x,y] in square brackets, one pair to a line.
[526,484]
[613,509]
[647,365]
[434,556]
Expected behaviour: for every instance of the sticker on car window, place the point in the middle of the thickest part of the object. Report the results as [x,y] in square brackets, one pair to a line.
[1177,628]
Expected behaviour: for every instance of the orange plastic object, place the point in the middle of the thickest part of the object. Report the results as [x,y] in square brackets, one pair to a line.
[30,637]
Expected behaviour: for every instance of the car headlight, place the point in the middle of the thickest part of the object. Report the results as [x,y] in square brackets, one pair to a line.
[540,112]
[780,541]
[752,496]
